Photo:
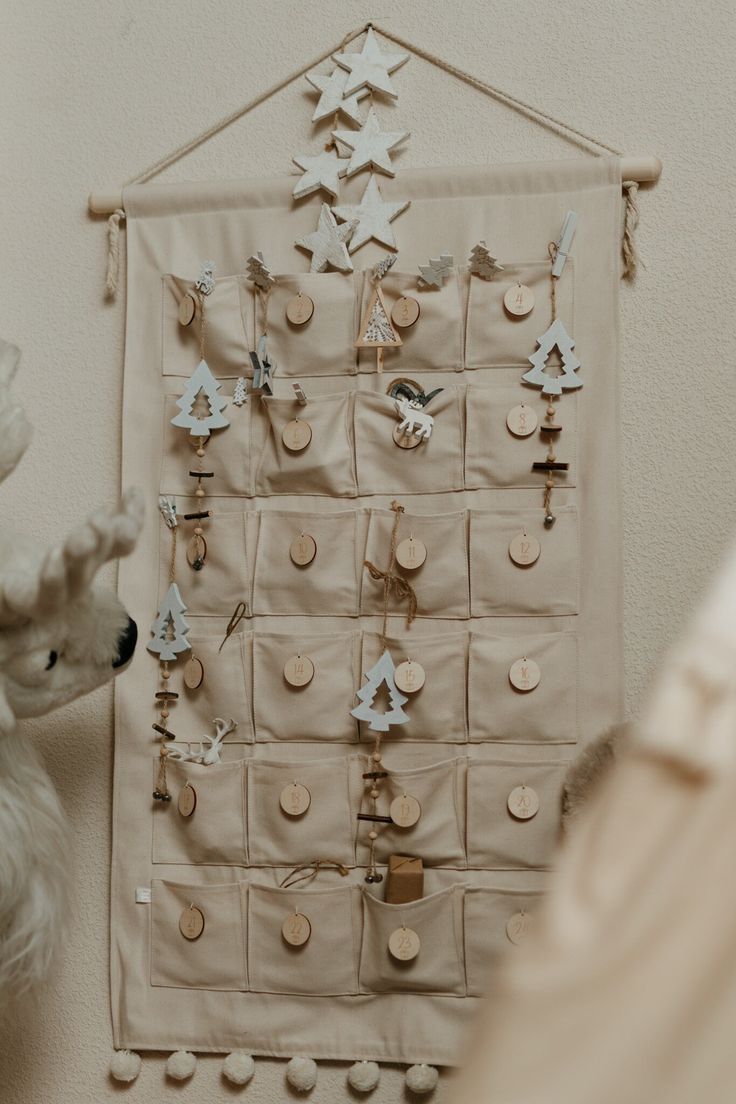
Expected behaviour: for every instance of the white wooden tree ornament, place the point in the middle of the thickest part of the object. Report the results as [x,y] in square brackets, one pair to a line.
[170,627]
[322,170]
[258,273]
[205,282]
[381,672]
[332,96]
[240,394]
[373,215]
[200,405]
[370,145]
[557,336]
[482,263]
[370,68]
[327,243]
[437,271]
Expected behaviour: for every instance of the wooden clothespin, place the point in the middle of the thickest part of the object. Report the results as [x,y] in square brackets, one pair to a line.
[301,398]
[564,242]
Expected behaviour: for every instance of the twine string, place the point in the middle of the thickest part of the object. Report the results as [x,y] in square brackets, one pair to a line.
[392,582]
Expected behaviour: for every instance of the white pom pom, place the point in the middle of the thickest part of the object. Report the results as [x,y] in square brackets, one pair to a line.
[364,1076]
[125,1065]
[181,1065]
[422,1079]
[238,1067]
[301,1073]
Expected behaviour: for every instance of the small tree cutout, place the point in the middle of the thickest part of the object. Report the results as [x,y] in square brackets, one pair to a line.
[381,672]
[376,330]
[170,627]
[200,405]
[558,336]
[482,263]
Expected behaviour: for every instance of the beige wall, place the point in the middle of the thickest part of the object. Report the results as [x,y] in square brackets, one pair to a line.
[96,89]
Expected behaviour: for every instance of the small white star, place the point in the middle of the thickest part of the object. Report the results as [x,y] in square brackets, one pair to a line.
[327,243]
[320,171]
[333,97]
[370,145]
[370,68]
[373,215]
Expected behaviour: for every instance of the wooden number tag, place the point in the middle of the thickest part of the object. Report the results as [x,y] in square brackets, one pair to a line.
[524,675]
[299,670]
[193,673]
[295,799]
[405,312]
[519,300]
[187,802]
[523,803]
[411,553]
[524,550]
[409,676]
[303,549]
[296,929]
[191,923]
[404,944]
[405,811]
[518,927]
[296,435]
[405,440]
[299,309]
[521,420]
[187,310]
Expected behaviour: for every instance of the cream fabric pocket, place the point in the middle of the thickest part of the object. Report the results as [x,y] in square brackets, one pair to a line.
[494,457]
[437,968]
[325,830]
[499,586]
[284,711]
[215,832]
[436,711]
[436,338]
[496,922]
[326,466]
[223,581]
[327,963]
[545,714]
[227,329]
[222,693]
[434,465]
[437,836]
[325,345]
[499,840]
[441,583]
[215,960]
[328,583]
[227,455]
[496,338]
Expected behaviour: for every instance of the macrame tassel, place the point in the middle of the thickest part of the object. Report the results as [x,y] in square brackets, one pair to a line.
[180,1065]
[422,1079]
[125,1066]
[364,1076]
[238,1068]
[113,252]
[301,1073]
[631,221]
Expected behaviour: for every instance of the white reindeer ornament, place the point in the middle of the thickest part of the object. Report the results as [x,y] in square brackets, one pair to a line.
[59,639]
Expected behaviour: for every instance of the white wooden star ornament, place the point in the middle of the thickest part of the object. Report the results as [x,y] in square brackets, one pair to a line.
[370,145]
[332,96]
[327,243]
[370,68]
[374,217]
[322,170]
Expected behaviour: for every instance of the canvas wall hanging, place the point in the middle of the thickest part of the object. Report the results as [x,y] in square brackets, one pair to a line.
[383,582]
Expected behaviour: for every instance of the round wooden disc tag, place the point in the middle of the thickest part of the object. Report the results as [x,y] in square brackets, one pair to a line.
[518,927]
[296,929]
[523,803]
[295,799]
[193,673]
[405,440]
[409,676]
[405,811]
[187,310]
[404,944]
[303,549]
[524,675]
[524,550]
[411,553]
[299,309]
[299,670]
[521,420]
[187,802]
[405,312]
[296,435]
[519,300]
[191,923]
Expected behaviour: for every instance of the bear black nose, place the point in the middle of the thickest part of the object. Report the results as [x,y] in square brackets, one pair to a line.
[126,643]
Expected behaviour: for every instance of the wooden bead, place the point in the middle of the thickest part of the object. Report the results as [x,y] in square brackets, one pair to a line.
[166,674]
[376,757]
[200,451]
[373,835]
[549,483]
[374,794]
[199,492]
[198,530]
[164,714]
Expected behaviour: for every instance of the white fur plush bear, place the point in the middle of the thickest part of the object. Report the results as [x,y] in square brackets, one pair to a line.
[59,639]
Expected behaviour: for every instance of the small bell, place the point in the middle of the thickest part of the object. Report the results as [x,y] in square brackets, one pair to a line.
[549,520]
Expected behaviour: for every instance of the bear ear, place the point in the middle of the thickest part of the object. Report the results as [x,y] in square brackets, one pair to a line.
[7,716]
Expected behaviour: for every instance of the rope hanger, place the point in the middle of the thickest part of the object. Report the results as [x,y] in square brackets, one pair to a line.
[639,169]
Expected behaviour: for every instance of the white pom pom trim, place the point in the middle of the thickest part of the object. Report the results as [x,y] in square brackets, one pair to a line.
[301,1073]
[125,1065]
[238,1067]
[364,1076]
[422,1079]
[181,1065]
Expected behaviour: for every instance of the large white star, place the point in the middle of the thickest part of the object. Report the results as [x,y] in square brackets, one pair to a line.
[320,171]
[332,98]
[327,243]
[374,217]
[370,145]
[370,68]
